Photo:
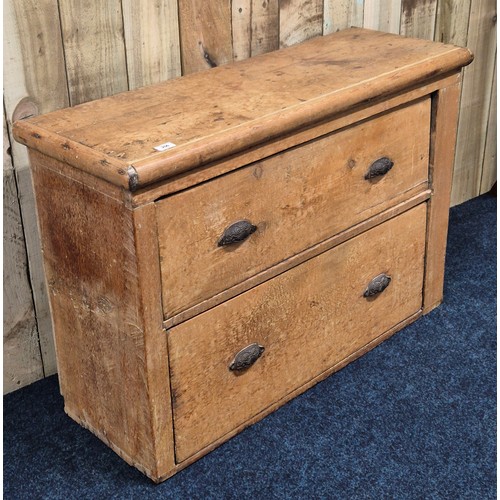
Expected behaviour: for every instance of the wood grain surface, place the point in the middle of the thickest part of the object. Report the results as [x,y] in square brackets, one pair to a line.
[308,319]
[296,199]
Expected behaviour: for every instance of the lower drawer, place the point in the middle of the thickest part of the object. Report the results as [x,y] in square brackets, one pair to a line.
[308,319]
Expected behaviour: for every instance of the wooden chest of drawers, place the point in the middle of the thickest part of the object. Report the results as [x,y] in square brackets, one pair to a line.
[216,244]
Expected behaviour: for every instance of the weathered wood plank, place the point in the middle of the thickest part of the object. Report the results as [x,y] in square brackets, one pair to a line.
[205,31]
[475,103]
[94,49]
[255,27]
[299,20]
[151,32]
[383,15]
[265,26]
[21,349]
[418,18]
[489,172]
[342,14]
[34,83]
[241,19]
[452,21]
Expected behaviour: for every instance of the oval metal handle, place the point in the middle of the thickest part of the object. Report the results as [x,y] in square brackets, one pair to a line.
[377,285]
[236,232]
[379,167]
[246,357]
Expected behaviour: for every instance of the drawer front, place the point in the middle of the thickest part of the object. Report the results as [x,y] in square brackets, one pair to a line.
[294,200]
[307,319]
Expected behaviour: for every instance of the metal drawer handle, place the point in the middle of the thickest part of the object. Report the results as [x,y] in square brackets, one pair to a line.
[236,232]
[246,357]
[379,167]
[377,285]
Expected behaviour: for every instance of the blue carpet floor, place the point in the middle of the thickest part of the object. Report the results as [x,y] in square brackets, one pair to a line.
[414,418]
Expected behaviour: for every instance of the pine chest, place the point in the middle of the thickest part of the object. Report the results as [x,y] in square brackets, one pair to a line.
[216,244]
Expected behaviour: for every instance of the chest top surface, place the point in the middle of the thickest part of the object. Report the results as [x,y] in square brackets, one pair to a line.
[209,115]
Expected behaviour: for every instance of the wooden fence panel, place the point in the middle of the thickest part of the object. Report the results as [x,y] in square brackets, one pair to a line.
[489,170]
[34,82]
[205,31]
[382,15]
[300,20]
[475,103]
[21,349]
[452,21]
[342,14]
[94,49]
[151,32]
[418,18]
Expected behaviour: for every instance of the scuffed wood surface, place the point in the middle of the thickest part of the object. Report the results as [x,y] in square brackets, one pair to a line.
[231,108]
[296,199]
[22,362]
[308,319]
[107,316]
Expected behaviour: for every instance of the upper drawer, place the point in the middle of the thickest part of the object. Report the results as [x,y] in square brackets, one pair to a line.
[295,199]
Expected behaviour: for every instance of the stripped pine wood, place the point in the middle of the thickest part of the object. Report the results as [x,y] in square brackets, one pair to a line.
[383,15]
[452,21]
[342,14]
[418,18]
[151,32]
[489,170]
[307,319]
[126,131]
[475,103]
[299,20]
[32,37]
[205,32]
[21,350]
[322,191]
[444,131]
[109,300]
[211,171]
[94,49]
